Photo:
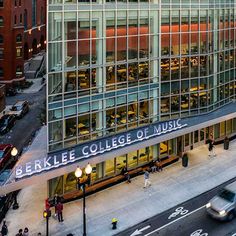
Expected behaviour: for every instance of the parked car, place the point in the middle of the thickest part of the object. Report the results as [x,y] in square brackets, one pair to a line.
[11,91]
[4,175]
[20,108]
[223,205]
[6,123]
[5,154]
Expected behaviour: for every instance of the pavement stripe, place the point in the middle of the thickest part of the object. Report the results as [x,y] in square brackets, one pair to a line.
[163,226]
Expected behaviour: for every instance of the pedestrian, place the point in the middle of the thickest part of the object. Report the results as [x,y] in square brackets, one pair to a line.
[126,174]
[211,147]
[4,230]
[47,204]
[56,200]
[39,234]
[26,232]
[153,166]
[20,232]
[146,179]
[159,165]
[59,209]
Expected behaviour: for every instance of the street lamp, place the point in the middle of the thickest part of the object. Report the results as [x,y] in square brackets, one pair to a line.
[15,206]
[78,174]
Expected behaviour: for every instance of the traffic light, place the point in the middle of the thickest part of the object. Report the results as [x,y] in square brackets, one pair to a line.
[46,214]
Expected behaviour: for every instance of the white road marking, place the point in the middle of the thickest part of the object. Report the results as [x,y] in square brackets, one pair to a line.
[198,233]
[162,227]
[179,210]
[139,231]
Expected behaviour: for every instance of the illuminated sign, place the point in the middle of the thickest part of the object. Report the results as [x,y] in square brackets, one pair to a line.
[95,147]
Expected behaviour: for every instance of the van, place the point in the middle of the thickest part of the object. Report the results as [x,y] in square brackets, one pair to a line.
[223,205]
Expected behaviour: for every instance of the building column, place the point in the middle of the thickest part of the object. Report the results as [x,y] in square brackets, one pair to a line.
[215,59]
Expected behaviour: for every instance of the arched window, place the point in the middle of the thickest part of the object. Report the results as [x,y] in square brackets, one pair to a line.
[1,72]
[1,38]
[18,38]
[25,19]
[1,21]
[1,3]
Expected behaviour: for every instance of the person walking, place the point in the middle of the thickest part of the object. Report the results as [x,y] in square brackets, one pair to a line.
[211,147]
[56,200]
[153,166]
[4,230]
[20,232]
[146,179]
[26,232]
[59,209]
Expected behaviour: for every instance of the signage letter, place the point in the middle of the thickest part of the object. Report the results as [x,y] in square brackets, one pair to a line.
[72,154]
[28,167]
[37,165]
[18,170]
[64,157]
[46,162]
[83,150]
[128,137]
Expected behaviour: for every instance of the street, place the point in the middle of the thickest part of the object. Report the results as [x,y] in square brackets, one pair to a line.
[188,219]
[22,132]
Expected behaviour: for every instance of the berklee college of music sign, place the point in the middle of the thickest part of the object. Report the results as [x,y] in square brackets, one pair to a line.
[89,149]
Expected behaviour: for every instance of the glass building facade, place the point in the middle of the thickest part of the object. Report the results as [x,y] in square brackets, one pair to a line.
[117,65]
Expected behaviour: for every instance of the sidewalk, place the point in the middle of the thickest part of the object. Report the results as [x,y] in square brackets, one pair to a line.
[130,203]
[35,87]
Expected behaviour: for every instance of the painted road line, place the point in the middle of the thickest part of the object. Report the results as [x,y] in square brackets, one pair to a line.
[139,231]
[162,227]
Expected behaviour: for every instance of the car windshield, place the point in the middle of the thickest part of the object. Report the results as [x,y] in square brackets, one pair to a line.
[4,176]
[227,195]
[17,108]
[1,154]
[3,121]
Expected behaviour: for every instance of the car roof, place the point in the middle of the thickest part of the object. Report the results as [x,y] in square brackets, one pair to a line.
[231,187]
[19,103]
[4,146]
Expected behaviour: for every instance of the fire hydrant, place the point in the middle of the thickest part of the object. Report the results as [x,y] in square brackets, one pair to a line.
[114,223]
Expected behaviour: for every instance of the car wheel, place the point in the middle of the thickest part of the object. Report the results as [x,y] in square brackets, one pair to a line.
[230,216]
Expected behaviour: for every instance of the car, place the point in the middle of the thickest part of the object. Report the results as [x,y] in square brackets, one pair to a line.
[20,108]
[5,154]
[4,175]
[6,123]
[5,203]
[223,205]
[11,91]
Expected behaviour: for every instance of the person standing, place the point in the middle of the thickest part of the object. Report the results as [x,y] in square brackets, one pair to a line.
[159,165]
[146,179]
[4,230]
[20,232]
[126,174]
[59,209]
[56,200]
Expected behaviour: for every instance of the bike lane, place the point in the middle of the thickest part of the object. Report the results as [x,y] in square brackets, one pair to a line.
[155,224]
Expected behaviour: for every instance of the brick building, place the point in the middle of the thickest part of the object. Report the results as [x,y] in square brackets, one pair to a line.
[22,34]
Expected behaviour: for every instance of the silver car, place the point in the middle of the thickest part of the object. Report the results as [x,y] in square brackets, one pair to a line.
[223,205]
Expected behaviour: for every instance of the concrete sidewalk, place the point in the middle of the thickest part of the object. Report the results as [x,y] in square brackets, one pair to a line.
[130,203]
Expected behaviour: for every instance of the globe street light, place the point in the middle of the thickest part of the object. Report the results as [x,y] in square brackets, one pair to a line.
[15,206]
[78,174]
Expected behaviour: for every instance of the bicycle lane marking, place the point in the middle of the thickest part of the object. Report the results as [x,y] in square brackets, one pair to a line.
[164,226]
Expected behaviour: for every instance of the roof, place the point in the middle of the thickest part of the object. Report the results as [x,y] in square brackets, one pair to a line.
[19,103]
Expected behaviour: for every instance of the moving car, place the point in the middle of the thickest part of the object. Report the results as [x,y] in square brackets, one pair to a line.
[5,154]
[20,108]
[223,205]
[6,123]
[11,91]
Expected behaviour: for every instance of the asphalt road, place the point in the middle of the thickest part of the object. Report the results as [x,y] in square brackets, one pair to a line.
[186,219]
[24,129]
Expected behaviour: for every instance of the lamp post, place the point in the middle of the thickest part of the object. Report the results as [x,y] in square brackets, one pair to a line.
[15,206]
[78,174]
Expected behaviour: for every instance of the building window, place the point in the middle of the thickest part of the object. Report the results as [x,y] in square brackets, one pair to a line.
[42,15]
[19,38]
[19,52]
[1,38]
[1,53]
[15,3]
[15,20]
[19,71]
[1,21]
[19,3]
[1,72]
[25,19]
[34,5]
[1,3]
[20,18]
